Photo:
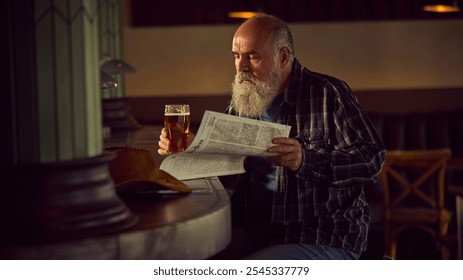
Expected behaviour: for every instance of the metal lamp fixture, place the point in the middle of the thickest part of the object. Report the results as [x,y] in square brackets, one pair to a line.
[115,66]
[243,9]
[441,6]
[106,81]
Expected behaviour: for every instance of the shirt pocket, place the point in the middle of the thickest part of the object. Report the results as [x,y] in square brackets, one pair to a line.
[314,142]
[313,139]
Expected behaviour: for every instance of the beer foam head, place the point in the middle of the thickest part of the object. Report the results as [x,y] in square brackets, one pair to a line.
[177,109]
[177,114]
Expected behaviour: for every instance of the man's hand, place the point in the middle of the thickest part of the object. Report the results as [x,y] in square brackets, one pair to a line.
[289,150]
[163,143]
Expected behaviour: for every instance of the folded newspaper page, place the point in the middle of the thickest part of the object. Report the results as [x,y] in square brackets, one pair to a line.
[221,144]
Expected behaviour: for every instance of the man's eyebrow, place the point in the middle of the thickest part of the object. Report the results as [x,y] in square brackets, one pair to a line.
[245,53]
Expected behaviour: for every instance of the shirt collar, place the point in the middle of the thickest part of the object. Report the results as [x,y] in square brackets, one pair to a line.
[293,84]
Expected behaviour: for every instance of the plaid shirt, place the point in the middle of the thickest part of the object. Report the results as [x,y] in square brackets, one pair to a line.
[324,202]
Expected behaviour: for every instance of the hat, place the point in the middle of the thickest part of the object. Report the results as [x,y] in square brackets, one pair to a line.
[135,170]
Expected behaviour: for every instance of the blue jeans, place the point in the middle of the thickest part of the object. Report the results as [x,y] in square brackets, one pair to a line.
[302,252]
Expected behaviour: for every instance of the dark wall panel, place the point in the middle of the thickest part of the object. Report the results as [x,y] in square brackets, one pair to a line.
[188,12]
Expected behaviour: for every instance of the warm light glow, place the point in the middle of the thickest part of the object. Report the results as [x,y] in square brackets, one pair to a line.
[241,14]
[441,8]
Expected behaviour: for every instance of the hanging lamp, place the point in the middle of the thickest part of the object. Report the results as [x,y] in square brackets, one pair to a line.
[441,6]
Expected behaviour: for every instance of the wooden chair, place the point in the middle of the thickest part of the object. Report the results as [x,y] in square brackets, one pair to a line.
[413,186]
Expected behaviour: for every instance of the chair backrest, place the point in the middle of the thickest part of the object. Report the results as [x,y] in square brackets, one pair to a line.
[414,178]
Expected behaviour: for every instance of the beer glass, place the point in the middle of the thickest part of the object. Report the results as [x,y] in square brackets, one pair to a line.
[177,124]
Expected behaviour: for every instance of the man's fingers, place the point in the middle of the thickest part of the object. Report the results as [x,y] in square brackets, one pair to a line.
[162,152]
[163,143]
[284,145]
[289,150]
[164,132]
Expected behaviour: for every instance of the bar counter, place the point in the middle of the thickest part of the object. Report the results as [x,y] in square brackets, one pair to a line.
[170,225]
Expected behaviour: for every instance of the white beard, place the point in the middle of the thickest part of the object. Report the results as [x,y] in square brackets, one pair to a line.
[250,99]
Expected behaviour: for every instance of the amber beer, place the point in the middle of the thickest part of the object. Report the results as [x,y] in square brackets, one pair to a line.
[177,124]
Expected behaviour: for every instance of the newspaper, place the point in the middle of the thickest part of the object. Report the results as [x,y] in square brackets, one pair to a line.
[221,144]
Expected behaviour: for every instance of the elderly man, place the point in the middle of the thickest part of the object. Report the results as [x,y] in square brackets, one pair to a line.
[308,202]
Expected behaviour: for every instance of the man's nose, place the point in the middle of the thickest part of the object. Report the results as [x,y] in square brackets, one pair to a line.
[242,65]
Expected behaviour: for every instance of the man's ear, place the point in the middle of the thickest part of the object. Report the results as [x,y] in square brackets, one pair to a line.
[284,57]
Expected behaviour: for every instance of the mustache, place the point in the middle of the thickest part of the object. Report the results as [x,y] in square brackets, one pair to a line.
[241,76]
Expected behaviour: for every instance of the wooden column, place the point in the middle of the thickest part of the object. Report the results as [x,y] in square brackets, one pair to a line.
[58,184]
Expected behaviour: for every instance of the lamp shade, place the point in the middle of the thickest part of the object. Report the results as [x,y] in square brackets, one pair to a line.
[441,6]
[115,66]
[243,9]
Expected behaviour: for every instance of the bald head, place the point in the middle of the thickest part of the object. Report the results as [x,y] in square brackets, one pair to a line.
[268,29]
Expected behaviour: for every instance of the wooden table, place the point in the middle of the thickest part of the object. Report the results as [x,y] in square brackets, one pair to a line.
[170,226]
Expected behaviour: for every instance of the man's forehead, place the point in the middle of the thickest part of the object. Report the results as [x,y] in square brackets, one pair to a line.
[244,44]
[249,42]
